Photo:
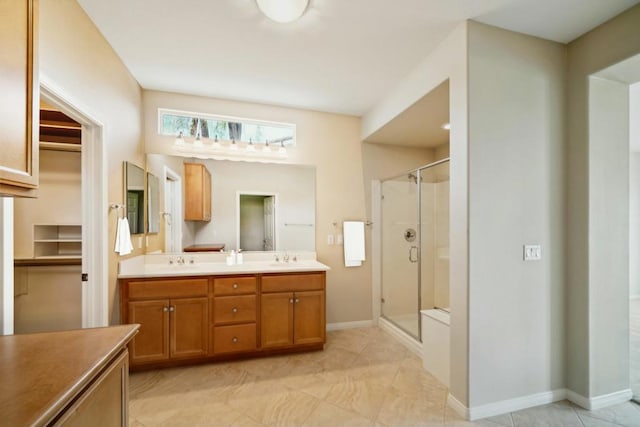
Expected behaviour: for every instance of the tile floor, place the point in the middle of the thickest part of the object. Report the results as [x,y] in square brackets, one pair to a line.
[362,378]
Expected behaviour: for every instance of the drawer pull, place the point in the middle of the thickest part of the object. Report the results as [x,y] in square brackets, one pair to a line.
[234,340]
[234,310]
[235,286]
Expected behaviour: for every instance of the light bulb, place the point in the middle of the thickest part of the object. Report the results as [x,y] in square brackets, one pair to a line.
[198,141]
[283,11]
[179,140]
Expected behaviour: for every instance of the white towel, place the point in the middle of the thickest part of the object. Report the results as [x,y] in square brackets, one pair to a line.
[353,243]
[123,237]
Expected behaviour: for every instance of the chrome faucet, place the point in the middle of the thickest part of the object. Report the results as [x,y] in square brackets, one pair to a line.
[277,258]
[180,260]
[285,257]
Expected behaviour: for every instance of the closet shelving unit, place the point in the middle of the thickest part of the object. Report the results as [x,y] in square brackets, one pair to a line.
[57,241]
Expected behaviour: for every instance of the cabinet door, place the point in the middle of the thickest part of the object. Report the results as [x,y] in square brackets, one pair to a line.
[276,320]
[152,341]
[189,327]
[309,317]
[19,102]
[206,196]
[105,402]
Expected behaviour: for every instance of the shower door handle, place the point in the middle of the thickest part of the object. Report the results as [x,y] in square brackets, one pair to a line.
[411,253]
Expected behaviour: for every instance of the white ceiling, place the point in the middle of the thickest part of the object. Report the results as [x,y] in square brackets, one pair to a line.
[341,56]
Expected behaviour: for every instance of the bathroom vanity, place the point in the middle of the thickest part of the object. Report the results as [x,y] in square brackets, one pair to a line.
[196,308]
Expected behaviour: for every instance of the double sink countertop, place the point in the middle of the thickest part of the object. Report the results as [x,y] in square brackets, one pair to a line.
[206,264]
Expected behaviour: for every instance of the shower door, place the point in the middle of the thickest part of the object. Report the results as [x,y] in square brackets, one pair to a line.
[401,252]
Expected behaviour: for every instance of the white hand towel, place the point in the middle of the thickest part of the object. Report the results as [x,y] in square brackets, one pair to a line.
[118,226]
[125,237]
[353,243]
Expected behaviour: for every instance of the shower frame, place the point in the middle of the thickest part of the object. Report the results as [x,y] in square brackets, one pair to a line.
[417,174]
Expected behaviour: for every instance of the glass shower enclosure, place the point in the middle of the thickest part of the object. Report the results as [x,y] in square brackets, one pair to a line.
[415,245]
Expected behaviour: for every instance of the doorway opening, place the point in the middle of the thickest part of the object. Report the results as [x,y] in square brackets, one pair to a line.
[172,211]
[256,221]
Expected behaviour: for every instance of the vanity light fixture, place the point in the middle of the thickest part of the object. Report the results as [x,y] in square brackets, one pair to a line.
[283,11]
[446,126]
[229,150]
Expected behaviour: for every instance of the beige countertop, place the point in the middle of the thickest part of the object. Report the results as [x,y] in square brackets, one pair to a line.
[209,265]
[40,373]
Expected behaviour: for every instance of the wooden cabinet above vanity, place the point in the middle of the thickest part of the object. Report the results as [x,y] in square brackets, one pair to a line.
[19,100]
[197,192]
[208,318]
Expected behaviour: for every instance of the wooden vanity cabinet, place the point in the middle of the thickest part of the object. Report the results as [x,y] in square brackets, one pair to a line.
[197,191]
[234,309]
[293,310]
[173,315]
[20,98]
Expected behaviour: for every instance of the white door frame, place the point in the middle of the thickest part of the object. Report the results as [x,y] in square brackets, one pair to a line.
[95,260]
[275,215]
[174,208]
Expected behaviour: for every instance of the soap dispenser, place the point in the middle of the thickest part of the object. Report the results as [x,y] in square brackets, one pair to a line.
[239,257]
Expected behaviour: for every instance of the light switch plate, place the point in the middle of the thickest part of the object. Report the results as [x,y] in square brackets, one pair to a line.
[339,239]
[532,252]
[330,239]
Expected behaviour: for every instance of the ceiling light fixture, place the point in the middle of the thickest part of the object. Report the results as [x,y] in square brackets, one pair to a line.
[283,11]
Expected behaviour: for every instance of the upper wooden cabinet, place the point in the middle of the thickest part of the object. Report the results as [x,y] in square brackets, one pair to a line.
[20,98]
[197,190]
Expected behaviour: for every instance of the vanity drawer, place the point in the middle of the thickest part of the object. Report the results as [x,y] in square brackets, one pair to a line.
[234,309]
[232,339]
[293,282]
[169,288]
[234,285]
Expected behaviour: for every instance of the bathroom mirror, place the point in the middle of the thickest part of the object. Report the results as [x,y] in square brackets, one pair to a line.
[134,189]
[293,214]
[153,204]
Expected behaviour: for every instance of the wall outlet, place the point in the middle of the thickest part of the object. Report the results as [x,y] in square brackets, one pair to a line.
[532,252]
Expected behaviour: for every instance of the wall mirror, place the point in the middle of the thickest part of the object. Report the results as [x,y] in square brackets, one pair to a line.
[256,206]
[153,204]
[134,189]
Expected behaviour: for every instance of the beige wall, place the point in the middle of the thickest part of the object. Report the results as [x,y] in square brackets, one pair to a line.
[332,144]
[516,197]
[608,44]
[634,224]
[78,64]
[447,61]
[59,199]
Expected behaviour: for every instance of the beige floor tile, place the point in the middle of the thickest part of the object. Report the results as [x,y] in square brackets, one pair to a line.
[626,414]
[280,407]
[419,384]
[555,414]
[402,410]
[362,397]
[326,414]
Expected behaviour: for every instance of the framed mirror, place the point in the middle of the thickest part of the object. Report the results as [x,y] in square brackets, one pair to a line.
[153,204]
[134,189]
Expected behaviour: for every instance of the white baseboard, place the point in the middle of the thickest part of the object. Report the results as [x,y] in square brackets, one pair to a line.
[405,339]
[525,402]
[458,406]
[599,402]
[349,325]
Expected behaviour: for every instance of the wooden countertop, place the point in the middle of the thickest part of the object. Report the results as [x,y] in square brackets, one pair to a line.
[206,247]
[39,373]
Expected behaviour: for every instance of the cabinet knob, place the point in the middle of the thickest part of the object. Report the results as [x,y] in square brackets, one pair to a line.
[165,309]
[234,310]
[234,340]
[172,308]
[290,300]
[297,300]
[235,286]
